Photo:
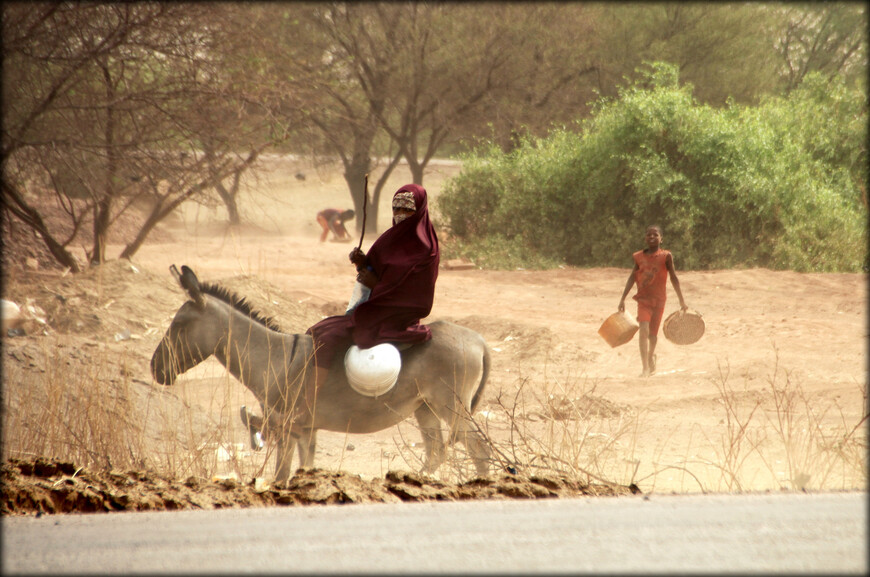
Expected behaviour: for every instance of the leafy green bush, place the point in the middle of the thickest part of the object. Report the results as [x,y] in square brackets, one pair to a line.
[780,185]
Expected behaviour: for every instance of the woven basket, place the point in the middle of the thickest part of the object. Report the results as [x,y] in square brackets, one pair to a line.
[618,329]
[684,327]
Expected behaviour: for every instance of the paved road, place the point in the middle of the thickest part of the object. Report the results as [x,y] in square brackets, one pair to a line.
[723,533]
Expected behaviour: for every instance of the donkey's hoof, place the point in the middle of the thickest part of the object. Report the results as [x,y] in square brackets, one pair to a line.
[257,443]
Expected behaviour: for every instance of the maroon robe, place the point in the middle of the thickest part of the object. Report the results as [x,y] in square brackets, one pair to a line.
[405,259]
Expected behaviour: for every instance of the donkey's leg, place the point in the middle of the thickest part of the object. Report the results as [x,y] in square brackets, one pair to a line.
[254,425]
[284,457]
[464,430]
[433,440]
[307,444]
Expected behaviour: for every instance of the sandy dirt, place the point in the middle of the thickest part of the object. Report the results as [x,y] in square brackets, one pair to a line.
[777,344]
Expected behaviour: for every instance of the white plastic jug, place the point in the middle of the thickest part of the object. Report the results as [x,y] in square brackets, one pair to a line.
[359,295]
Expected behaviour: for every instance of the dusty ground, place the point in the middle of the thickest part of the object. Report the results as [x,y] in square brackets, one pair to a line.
[772,397]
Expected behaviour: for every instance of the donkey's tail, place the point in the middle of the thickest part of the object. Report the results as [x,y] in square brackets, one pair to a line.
[478,394]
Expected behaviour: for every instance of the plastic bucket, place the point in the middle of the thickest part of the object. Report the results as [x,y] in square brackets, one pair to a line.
[618,329]
[372,372]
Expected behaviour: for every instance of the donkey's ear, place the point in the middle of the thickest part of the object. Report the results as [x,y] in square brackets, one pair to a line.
[190,283]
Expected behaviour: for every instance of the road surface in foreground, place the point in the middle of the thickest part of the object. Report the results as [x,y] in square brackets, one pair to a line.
[791,533]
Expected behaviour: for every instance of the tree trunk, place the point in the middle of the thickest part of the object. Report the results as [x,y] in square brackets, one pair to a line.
[416,169]
[103,206]
[230,196]
[156,216]
[29,216]
[102,221]
[355,175]
[158,213]
[229,200]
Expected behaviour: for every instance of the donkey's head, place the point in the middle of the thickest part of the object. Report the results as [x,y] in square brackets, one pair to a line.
[188,340]
[200,326]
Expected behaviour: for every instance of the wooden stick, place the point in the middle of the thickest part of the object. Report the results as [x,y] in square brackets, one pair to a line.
[365,203]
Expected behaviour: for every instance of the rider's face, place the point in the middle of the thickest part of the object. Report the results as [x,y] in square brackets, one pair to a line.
[400,214]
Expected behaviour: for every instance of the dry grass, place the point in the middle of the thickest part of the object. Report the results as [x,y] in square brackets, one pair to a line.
[76,413]
[800,442]
[96,416]
[776,439]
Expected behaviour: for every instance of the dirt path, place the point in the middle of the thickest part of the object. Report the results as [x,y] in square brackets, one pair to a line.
[707,421]
[805,329]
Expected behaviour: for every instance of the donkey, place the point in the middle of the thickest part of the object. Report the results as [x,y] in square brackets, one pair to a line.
[440,380]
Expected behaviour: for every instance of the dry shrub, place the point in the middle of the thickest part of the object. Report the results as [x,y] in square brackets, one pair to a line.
[802,442]
[96,415]
[566,431]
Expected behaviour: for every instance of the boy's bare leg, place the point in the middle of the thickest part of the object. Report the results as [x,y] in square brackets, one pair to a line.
[644,343]
[651,356]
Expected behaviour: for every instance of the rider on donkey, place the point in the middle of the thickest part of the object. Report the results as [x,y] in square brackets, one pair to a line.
[400,269]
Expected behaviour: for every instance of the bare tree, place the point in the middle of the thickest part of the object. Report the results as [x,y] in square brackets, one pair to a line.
[446,63]
[314,56]
[723,50]
[830,38]
[534,66]
[49,51]
[428,71]
[107,108]
[400,81]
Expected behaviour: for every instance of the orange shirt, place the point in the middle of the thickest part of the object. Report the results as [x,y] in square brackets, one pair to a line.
[651,276]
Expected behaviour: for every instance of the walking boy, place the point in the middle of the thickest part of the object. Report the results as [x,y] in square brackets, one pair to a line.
[652,266]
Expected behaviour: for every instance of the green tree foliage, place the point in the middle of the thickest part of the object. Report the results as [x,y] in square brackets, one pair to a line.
[778,185]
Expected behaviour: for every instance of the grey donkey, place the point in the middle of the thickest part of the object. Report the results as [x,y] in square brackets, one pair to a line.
[442,379]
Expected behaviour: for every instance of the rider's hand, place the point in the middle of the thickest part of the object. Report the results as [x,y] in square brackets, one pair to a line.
[367,277]
[357,257]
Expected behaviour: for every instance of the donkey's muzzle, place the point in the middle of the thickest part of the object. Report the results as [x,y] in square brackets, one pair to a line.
[161,367]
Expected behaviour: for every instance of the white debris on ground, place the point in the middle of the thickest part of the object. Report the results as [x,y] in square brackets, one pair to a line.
[18,320]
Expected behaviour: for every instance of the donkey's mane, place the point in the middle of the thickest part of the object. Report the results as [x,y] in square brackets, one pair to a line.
[240,304]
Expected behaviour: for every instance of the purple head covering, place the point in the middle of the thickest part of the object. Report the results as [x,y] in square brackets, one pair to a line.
[405,259]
